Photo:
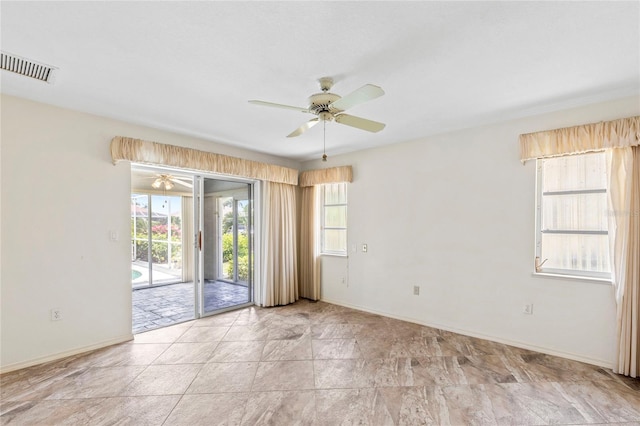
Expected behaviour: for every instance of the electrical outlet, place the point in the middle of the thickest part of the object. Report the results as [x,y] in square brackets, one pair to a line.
[528,309]
[56,314]
[416,290]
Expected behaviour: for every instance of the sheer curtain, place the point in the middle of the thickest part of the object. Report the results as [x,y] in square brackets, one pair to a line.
[279,257]
[309,259]
[187,239]
[624,229]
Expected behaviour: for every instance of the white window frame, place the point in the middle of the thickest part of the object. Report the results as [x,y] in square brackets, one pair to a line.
[602,277]
[322,204]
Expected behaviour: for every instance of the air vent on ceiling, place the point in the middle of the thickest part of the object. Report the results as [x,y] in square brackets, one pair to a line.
[27,67]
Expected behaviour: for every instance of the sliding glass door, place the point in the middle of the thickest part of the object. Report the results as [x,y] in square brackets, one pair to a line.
[225,223]
[191,245]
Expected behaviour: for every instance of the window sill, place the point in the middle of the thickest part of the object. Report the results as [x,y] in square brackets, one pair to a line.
[334,254]
[572,277]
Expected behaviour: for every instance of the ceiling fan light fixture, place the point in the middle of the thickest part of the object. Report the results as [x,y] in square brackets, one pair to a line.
[164,182]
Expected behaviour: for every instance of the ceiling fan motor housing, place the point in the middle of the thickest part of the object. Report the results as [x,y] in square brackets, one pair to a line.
[321,103]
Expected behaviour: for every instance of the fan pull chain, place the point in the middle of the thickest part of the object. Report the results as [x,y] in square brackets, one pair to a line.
[324,140]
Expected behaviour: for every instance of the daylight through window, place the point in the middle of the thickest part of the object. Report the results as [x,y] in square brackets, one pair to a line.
[572,228]
[334,218]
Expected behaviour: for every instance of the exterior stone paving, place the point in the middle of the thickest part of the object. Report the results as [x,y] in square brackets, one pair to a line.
[156,307]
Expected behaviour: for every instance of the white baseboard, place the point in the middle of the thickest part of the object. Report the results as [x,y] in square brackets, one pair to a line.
[60,355]
[522,345]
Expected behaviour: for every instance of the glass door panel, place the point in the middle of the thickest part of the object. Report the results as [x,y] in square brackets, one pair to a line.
[227,240]
[139,240]
[241,255]
[156,239]
[225,249]
[234,227]
[165,239]
[175,236]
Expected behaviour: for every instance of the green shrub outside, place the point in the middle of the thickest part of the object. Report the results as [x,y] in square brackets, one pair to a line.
[243,255]
[159,250]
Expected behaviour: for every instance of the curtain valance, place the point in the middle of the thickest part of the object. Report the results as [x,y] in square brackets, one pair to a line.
[331,175]
[619,133]
[145,152]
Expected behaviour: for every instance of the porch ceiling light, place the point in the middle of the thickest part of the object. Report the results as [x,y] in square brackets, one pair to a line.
[162,181]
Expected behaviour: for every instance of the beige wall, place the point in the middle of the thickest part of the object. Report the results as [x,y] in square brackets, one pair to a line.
[60,198]
[454,214]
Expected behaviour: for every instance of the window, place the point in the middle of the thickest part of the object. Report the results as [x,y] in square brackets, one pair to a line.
[572,228]
[334,218]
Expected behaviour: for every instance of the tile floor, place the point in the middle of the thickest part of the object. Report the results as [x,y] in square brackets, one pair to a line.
[314,364]
[156,307]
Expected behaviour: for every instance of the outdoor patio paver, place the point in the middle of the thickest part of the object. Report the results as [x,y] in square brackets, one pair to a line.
[156,307]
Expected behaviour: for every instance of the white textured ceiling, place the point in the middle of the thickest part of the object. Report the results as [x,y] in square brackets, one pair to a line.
[191,67]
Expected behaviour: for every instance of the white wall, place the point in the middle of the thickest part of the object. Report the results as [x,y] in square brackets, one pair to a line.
[454,214]
[61,195]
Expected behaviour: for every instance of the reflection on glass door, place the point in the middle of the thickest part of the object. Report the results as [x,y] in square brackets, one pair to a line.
[156,239]
[225,244]
[234,226]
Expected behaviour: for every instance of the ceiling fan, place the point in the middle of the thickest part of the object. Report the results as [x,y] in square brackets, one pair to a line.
[329,106]
[167,182]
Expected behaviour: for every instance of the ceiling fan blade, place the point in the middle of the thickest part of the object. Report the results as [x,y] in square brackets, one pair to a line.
[180,182]
[306,126]
[360,123]
[358,96]
[271,104]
